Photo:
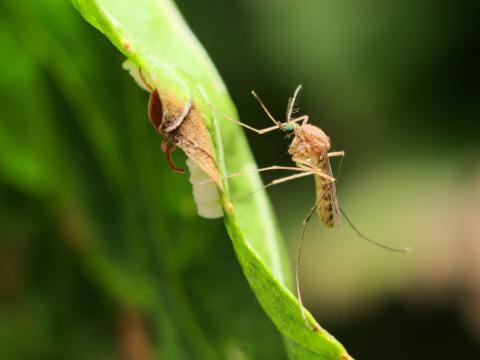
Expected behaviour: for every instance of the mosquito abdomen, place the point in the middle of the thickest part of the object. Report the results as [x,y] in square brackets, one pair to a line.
[325,203]
[327,207]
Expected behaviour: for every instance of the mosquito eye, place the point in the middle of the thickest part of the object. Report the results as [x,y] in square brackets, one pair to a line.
[289,128]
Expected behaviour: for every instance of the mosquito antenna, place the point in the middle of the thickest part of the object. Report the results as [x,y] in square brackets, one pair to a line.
[291,102]
[289,109]
[364,237]
[265,108]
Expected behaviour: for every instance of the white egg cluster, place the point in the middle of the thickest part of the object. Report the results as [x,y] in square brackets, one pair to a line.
[205,192]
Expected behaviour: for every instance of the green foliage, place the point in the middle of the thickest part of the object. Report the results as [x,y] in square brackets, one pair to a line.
[106,218]
[153,35]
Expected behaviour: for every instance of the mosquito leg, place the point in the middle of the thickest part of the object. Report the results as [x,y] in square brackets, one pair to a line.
[303,119]
[336,153]
[318,172]
[288,178]
[258,131]
[168,148]
[315,170]
[307,218]
[297,261]
[271,128]
[251,128]
[305,172]
[277,182]
[273,167]
[291,168]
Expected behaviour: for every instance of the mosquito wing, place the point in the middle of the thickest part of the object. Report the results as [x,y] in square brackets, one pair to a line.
[327,203]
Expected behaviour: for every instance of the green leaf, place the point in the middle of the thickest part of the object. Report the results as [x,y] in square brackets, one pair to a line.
[153,35]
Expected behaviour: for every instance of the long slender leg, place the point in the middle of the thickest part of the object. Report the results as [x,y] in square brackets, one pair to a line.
[314,326]
[316,170]
[292,168]
[246,126]
[258,131]
[263,131]
[168,148]
[277,182]
[336,153]
[273,167]
[288,178]
[300,118]
[303,119]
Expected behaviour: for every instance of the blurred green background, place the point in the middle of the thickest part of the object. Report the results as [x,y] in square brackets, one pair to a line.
[102,254]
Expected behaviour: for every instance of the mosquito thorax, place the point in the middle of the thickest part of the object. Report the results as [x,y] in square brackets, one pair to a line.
[310,141]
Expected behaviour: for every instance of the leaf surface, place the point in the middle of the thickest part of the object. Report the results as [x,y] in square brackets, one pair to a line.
[153,35]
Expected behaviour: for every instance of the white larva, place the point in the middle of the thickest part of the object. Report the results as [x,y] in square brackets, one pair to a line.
[205,192]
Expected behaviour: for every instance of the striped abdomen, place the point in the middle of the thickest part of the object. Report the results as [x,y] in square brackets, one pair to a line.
[327,204]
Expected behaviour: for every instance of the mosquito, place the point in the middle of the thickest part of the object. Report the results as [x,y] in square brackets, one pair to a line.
[310,151]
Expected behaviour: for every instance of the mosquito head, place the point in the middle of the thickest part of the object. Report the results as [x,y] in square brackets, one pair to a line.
[288,127]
